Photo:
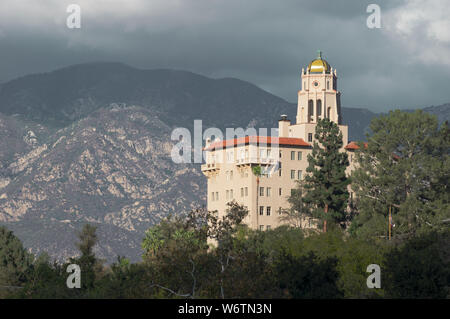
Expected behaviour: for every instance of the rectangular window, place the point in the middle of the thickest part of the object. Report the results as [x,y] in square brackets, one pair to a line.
[231,175]
[231,194]
[246,191]
[269,191]
[261,191]
[279,172]
[280,154]
[292,174]
[279,191]
[261,210]
[299,156]
[217,195]
[242,192]
[212,196]
[227,194]
[268,227]
[268,211]
[292,155]
[309,137]
[261,227]
[299,174]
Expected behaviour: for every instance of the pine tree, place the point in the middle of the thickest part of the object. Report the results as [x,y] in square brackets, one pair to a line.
[405,166]
[14,259]
[326,184]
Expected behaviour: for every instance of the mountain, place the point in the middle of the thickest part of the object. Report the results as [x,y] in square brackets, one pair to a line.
[91,143]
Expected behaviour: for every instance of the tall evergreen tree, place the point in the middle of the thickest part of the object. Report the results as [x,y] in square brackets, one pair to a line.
[14,259]
[405,165]
[326,184]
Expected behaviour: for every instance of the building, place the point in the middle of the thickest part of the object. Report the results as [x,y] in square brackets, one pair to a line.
[229,163]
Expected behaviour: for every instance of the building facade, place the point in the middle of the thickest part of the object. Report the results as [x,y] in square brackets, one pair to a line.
[230,164]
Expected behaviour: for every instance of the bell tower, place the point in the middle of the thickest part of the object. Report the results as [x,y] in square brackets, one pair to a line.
[318,97]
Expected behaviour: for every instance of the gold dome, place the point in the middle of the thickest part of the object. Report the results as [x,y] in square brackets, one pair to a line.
[319,65]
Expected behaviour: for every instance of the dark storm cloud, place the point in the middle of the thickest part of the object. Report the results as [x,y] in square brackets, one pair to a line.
[264,42]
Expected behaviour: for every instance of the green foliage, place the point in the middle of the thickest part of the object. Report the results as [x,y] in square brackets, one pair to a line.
[405,165]
[419,268]
[257,171]
[308,276]
[14,260]
[326,184]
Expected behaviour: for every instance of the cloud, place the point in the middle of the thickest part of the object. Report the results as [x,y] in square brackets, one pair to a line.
[423,27]
[262,41]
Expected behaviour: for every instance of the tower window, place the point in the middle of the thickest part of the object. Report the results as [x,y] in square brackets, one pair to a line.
[328,85]
[319,108]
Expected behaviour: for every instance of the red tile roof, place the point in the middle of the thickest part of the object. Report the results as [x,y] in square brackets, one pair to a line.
[353,146]
[282,141]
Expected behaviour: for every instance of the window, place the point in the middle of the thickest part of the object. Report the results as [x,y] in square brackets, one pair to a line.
[292,191]
[280,211]
[292,155]
[328,85]
[319,107]
[227,194]
[309,137]
[246,191]
[217,195]
[268,227]
[242,191]
[299,174]
[231,194]
[292,173]
[261,191]
[212,196]
[261,227]
[268,211]
[279,191]
[299,156]
[231,175]
[280,154]
[279,172]
[261,210]
[269,191]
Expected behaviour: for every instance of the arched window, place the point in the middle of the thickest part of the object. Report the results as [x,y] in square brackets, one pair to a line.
[329,113]
[319,108]
[310,110]
[328,85]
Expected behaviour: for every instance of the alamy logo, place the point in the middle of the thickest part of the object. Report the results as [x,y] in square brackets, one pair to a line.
[374,280]
[74,19]
[74,279]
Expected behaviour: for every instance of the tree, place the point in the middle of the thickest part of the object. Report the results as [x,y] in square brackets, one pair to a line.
[299,210]
[406,166]
[326,184]
[14,260]
[419,268]
[88,263]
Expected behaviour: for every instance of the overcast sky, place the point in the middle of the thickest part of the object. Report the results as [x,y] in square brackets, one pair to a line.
[406,63]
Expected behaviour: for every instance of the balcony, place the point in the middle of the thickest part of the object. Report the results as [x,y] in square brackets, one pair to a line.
[255,160]
[210,167]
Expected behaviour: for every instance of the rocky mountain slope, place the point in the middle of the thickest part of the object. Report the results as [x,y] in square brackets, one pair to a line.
[91,143]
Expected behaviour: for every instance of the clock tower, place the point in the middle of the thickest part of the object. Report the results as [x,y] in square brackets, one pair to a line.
[318,98]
